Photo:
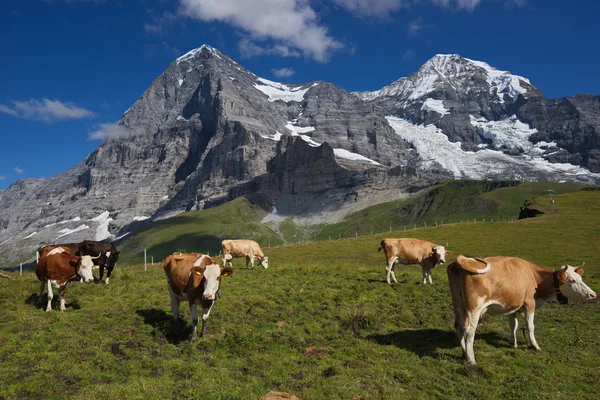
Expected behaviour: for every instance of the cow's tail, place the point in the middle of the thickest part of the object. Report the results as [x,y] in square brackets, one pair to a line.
[473,264]
[381,245]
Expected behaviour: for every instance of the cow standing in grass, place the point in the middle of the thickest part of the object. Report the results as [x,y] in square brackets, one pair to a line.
[507,286]
[56,266]
[243,248]
[106,255]
[196,278]
[409,251]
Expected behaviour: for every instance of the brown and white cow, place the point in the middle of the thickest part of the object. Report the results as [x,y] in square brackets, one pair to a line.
[409,251]
[56,266]
[507,285]
[196,278]
[243,247]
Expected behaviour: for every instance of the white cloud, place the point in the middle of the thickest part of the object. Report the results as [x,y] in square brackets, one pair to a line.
[19,170]
[283,72]
[415,26]
[408,55]
[289,23]
[2,177]
[372,8]
[112,130]
[249,49]
[470,5]
[46,110]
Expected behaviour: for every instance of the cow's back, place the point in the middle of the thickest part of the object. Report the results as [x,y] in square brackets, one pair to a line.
[241,247]
[509,280]
[408,248]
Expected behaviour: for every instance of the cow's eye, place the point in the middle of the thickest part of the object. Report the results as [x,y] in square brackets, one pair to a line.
[571,280]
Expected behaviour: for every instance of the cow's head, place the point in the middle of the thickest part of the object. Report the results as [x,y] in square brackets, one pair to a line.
[84,269]
[570,284]
[264,261]
[211,279]
[111,258]
[227,258]
[439,253]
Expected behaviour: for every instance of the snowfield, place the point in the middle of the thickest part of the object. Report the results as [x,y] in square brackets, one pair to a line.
[436,150]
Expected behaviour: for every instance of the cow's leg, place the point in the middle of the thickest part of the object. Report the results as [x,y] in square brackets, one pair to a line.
[514,325]
[50,296]
[101,268]
[62,290]
[531,327]
[389,270]
[424,273]
[174,306]
[108,272]
[205,315]
[194,312]
[429,276]
[471,327]
[42,285]
[460,324]
[247,261]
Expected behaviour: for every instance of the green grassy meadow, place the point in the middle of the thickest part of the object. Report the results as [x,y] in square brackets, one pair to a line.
[320,323]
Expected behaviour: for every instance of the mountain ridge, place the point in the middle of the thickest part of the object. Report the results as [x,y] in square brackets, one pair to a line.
[207,130]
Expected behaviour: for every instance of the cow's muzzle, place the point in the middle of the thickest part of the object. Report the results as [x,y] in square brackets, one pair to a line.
[593,295]
[208,296]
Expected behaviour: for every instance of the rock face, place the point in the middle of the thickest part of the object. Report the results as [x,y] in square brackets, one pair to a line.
[207,130]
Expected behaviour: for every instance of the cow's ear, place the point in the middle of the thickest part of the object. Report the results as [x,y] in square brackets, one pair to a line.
[579,270]
[198,270]
[562,275]
[226,271]
[448,252]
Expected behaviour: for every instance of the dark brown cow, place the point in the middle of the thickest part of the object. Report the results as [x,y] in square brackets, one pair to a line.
[108,255]
[56,266]
[507,285]
[196,278]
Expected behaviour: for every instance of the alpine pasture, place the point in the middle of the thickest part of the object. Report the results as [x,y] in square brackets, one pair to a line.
[320,323]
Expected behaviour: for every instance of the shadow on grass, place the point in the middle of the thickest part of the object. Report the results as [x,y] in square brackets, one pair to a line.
[164,326]
[33,300]
[427,342]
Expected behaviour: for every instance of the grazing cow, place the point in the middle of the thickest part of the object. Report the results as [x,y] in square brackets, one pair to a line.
[196,278]
[507,285]
[412,251]
[243,247]
[108,255]
[56,266]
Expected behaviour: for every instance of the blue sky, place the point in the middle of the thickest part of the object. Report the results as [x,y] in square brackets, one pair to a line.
[69,66]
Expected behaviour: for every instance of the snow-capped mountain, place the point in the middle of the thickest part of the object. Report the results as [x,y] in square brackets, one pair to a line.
[207,130]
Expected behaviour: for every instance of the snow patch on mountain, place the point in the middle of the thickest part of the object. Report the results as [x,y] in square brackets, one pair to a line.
[502,81]
[30,235]
[102,231]
[509,134]
[435,105]
[341,153]
[67,231]
[436,150]
[279,91]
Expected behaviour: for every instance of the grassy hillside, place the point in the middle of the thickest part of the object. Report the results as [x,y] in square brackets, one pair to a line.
[325,328]
[198,231]
[449,202]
